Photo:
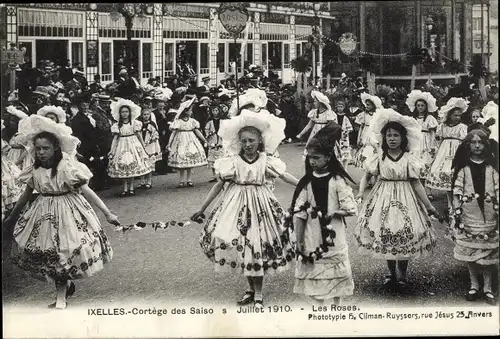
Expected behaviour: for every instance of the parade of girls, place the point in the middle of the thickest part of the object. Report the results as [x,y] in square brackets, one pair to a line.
[55,158]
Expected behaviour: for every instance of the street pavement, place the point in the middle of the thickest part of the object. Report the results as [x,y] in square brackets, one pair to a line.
[168,266]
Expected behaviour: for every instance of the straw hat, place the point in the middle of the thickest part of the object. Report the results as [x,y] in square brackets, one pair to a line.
[183,106]
[376,100]
[386,115]
[453,103]
[416,95]
[58,111]
[272,132]
[317,95]
[36,124]
[16,112]
[135,110]
[254,96]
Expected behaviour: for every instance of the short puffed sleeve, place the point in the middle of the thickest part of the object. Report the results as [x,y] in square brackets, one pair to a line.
[275,166]
[73,173]
[414,166]
[225,168]
[431,122]
[331,116]
[26,176]
[463,131]
[345,195]
[115,129]
[371,163]
[195,124]
[360,118]
[459,184]
[175,124]
[301,200]
[137,126]
[312,114]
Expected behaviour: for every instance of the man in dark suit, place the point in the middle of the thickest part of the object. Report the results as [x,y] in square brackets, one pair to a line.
[96,87]
[204,90]
[126,86]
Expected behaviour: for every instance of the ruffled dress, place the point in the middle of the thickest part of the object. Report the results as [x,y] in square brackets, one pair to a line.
[215,149]
[320,120]
[428,146]
[186,150]
[245,231]
[12,188]
[476,236]
[129,160]
[60,235]
[393,223]
[151,139]
[331,275]
[366,149]
[440,173]
[19,150]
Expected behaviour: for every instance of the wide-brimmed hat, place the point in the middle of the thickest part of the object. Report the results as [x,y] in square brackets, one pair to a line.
[43,91]
[272,132]
[491,111]
[104,98]
[375,99]
[135,110]
[14,96]
[453,103]
[205,79]
[417,95]
[16,112]
[58,111]
[35,124]
[321,98]
[254,96]
[184,106]
[386,115]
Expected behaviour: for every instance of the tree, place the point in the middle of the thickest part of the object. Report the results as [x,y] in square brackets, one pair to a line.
[301,65]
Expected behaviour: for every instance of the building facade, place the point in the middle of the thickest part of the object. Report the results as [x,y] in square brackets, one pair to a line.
[173,36]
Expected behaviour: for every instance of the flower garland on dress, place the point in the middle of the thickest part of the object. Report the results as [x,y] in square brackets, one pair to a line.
[138,226]
[314,212]
[459,225]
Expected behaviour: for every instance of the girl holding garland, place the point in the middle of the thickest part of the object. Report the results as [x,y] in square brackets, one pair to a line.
[449,135]
[151,137]
[422,105]
[215,148]
[324,187]
[71,244]
[245,230]
[321,115]
[185,149]
[393,222]
[128,155]
[475,186]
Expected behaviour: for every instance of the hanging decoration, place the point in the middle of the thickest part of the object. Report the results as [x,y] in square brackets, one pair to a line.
[347,43]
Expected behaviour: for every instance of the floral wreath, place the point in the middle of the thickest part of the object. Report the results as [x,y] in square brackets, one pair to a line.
[140,225]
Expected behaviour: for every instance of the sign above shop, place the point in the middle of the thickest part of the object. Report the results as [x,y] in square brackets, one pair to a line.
[187,11]
[233,17]
[275,18]
[306,20]
[69,6]
[13,56]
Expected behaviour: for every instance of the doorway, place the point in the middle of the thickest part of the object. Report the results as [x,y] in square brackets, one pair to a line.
[53,50]
[120,52]
[187,57]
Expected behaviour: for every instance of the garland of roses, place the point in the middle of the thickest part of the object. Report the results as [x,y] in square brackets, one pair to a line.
[314,212]
[138,226]
[459,226]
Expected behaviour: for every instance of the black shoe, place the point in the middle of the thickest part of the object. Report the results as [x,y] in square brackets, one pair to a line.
[247,298]
[71,290]
[472,295]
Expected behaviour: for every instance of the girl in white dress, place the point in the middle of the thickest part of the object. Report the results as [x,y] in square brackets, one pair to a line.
[449,135]
[151,137]
[422,105]
[18,154]
[70,244]
[185,149]
[393,222]
[321,115]
[245,231]
[343,150]
[324,273]
[128,157]
[215,148]
[363,119]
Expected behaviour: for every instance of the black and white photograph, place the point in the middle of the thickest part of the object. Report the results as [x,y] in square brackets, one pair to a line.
[250,169]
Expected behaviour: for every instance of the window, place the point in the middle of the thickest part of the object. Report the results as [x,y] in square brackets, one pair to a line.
[204,55]
[147,56]
[77,53]
[250,53]
[275,53]
[476,24]
[298,51]
[234,53]
[286,56]
[27,56]
[264,55]
[106,58]
[169,57]
[220,57]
